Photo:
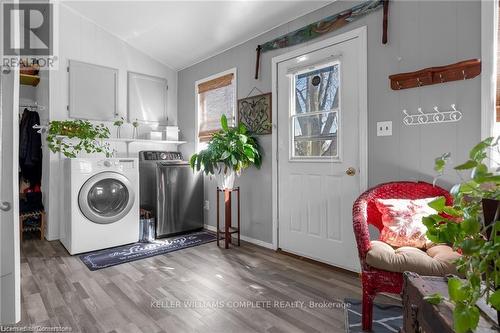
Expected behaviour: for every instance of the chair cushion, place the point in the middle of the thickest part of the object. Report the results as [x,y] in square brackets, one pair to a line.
[437,261]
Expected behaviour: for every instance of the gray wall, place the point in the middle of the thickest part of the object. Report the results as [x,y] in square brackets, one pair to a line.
[421,34]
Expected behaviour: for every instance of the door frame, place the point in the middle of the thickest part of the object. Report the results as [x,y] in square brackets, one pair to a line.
[360,33]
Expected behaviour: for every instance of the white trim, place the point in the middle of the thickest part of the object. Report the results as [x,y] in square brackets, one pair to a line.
[233,71]
[489,26]
[245,238]
[360,33]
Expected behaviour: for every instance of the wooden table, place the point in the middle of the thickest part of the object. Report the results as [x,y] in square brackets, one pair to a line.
[229,230]
[421,316]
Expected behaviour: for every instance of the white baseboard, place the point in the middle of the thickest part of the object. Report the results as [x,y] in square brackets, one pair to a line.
[51,237]
[246,239]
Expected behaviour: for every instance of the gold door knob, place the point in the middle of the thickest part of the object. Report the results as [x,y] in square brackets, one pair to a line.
[350,171]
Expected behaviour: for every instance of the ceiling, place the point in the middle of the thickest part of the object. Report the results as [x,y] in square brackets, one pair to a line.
[182,33]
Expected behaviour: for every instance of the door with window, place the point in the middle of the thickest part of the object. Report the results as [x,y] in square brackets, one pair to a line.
[319,145]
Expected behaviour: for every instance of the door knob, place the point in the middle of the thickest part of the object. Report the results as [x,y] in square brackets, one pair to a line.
[350,171]
[5,206]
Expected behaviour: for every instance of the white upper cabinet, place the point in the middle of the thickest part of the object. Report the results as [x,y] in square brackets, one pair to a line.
[147,99]
[93,91]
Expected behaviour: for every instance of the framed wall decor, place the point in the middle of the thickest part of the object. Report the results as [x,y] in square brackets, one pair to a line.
[256,113]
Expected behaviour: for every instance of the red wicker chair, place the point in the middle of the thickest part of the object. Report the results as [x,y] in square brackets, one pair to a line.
[365,212]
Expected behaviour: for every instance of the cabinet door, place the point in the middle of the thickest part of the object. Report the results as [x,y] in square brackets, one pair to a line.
[147,98]
[93,91]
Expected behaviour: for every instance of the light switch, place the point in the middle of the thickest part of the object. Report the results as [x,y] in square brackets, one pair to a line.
[384,128]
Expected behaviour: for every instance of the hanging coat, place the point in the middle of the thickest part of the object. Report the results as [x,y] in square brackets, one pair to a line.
[30,148]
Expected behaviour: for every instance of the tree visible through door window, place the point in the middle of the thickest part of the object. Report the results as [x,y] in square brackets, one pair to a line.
[216,96]
[315,117]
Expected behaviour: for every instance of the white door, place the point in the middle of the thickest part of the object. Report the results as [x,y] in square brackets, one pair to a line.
[10,277]
[10,306]
[321,112]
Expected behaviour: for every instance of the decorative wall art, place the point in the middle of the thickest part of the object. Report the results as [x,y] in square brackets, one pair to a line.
[324,26]
[256,114]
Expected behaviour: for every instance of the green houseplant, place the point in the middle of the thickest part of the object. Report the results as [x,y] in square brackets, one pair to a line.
[71,137]
[230,150]
[462,225]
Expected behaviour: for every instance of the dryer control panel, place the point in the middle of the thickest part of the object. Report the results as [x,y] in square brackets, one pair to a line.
[160,156]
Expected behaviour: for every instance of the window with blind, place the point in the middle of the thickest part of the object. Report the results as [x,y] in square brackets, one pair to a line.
[216,97]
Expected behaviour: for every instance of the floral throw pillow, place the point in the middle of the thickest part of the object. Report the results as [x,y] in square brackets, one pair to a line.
[402,219]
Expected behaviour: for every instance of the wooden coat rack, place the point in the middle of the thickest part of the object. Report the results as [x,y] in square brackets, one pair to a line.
[462,70]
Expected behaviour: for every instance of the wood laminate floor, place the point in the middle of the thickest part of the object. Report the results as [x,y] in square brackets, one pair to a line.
[199,289]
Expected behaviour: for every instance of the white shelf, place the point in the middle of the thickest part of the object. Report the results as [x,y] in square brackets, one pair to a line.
[128,141]
[145,141]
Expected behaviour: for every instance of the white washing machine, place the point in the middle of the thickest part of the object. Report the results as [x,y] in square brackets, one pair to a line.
[101,203]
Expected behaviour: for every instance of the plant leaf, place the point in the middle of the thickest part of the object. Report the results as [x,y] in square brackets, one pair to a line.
[456,290]
[434,298]
[438,204]
[467,165]
[465,318]
[494,299]
[223,122]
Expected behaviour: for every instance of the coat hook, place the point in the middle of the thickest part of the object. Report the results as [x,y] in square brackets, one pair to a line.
[453,107]
[463,73]
[399,86]
[441,77]
[420,110]
[418,81]
[436,109]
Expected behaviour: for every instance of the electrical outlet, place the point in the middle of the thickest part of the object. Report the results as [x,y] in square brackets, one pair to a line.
[206,205]
[384,128]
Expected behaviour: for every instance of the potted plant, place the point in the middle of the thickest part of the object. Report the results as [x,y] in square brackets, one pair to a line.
[135,133]
[230,150]
[118,123]
[463,225]
[71,137]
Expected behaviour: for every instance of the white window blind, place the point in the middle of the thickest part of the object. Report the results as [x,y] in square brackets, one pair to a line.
[215,98]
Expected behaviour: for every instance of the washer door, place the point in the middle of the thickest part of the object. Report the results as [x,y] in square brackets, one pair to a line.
[106,197]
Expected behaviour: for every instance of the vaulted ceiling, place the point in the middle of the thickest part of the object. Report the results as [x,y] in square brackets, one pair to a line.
[182,33]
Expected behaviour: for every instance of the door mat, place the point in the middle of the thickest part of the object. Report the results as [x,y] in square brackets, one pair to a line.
[386,318]
[136,251]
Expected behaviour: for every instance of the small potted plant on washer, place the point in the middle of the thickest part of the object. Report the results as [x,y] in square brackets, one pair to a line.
[229,152]
[472,226]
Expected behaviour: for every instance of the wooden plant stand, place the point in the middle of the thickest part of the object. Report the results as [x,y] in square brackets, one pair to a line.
[37,214]
[229,230]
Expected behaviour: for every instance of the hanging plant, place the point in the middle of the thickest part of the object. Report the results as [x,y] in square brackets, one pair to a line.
[70,137]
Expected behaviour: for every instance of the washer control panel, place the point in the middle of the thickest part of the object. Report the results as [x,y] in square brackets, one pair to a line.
[160,156]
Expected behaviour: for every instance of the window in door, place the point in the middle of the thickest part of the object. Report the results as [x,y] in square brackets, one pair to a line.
[216,97]
[315,113]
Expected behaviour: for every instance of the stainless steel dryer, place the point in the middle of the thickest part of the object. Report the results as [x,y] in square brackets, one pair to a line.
[172,191]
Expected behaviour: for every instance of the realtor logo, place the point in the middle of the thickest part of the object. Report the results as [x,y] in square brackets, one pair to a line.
[28,32]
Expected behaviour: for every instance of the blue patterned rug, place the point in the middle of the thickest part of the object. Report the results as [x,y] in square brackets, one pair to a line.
[386,318]
[127,253]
